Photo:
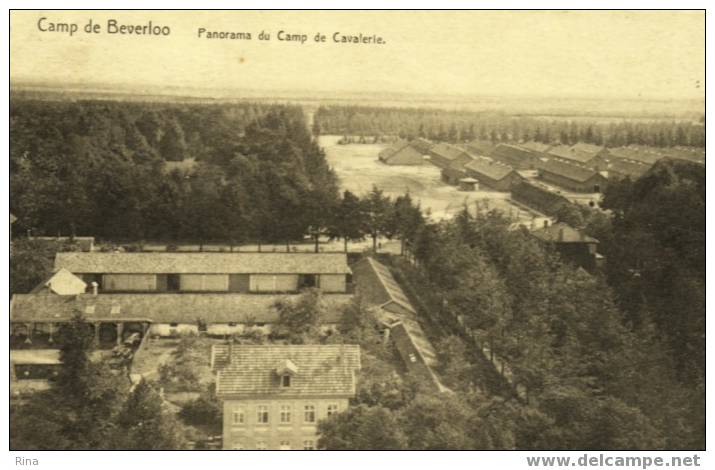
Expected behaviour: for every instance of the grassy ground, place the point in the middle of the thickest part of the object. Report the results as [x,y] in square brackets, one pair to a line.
[358,169]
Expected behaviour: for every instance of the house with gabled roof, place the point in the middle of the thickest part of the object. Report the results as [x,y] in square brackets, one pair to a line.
[402,153]
[572,177]
[274,396]
[492,174]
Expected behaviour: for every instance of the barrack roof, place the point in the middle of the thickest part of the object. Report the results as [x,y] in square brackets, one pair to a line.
[203,263]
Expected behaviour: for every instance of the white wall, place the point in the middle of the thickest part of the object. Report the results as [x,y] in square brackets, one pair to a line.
[274,282]
[204,282]
[332,282]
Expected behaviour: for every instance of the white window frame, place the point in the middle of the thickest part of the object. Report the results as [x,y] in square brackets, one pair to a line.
[309,444]
[262,413]
[261,445]
[285,414]
[309,410]
[239,417]
[285,445]
[332,409]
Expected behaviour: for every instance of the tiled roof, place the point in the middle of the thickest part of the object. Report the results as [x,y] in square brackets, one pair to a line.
[203,263]
[322,370]
[562,233]
[386,289]
[577,153]
[492,170]
[568,170]
[163,308]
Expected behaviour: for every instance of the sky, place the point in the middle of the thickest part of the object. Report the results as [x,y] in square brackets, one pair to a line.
[658,54]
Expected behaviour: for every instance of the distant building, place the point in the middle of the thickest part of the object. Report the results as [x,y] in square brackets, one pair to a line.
[638,153]
[274,395]
[480,148]
[573,245]
[573,177]
[443,155]
[517,156]
[422,145]
[619,169]
[588,155]
[492,174]
[538,197]
[454,172]
[468,184]
[209,272]
[402,153]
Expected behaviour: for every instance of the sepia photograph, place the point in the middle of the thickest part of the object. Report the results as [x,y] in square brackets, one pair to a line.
[358,230]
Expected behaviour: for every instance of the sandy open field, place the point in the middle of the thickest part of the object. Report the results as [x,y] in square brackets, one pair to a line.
[358,169]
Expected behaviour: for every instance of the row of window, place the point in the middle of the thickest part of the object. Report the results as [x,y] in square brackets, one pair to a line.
[285,415]
[284,445]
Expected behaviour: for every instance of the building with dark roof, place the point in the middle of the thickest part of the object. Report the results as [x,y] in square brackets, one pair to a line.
[402,153]
[208,272]
[516,156]
[619,169]
[114,316]
[421,145]
[378,288]
[538,197]
[274,395]
[443,155]
[480,148]
[588,155]
[573,245]
[492,174]
[572,177]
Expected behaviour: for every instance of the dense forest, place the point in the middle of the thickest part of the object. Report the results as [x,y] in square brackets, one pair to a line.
[612,361]
[461,126]
[99,168]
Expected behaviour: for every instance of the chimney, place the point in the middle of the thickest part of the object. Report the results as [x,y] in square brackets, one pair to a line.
[546,223]
[561,234]
[95,288]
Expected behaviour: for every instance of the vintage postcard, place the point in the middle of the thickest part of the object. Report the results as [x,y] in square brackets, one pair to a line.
[358,230]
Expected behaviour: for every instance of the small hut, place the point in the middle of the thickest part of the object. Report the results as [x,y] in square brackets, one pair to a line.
[468,184]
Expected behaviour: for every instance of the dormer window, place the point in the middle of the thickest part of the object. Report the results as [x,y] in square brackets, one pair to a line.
[285,372]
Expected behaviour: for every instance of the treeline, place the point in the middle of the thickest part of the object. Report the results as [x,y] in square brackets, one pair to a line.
[613,361]
[98,168]
[463,126]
